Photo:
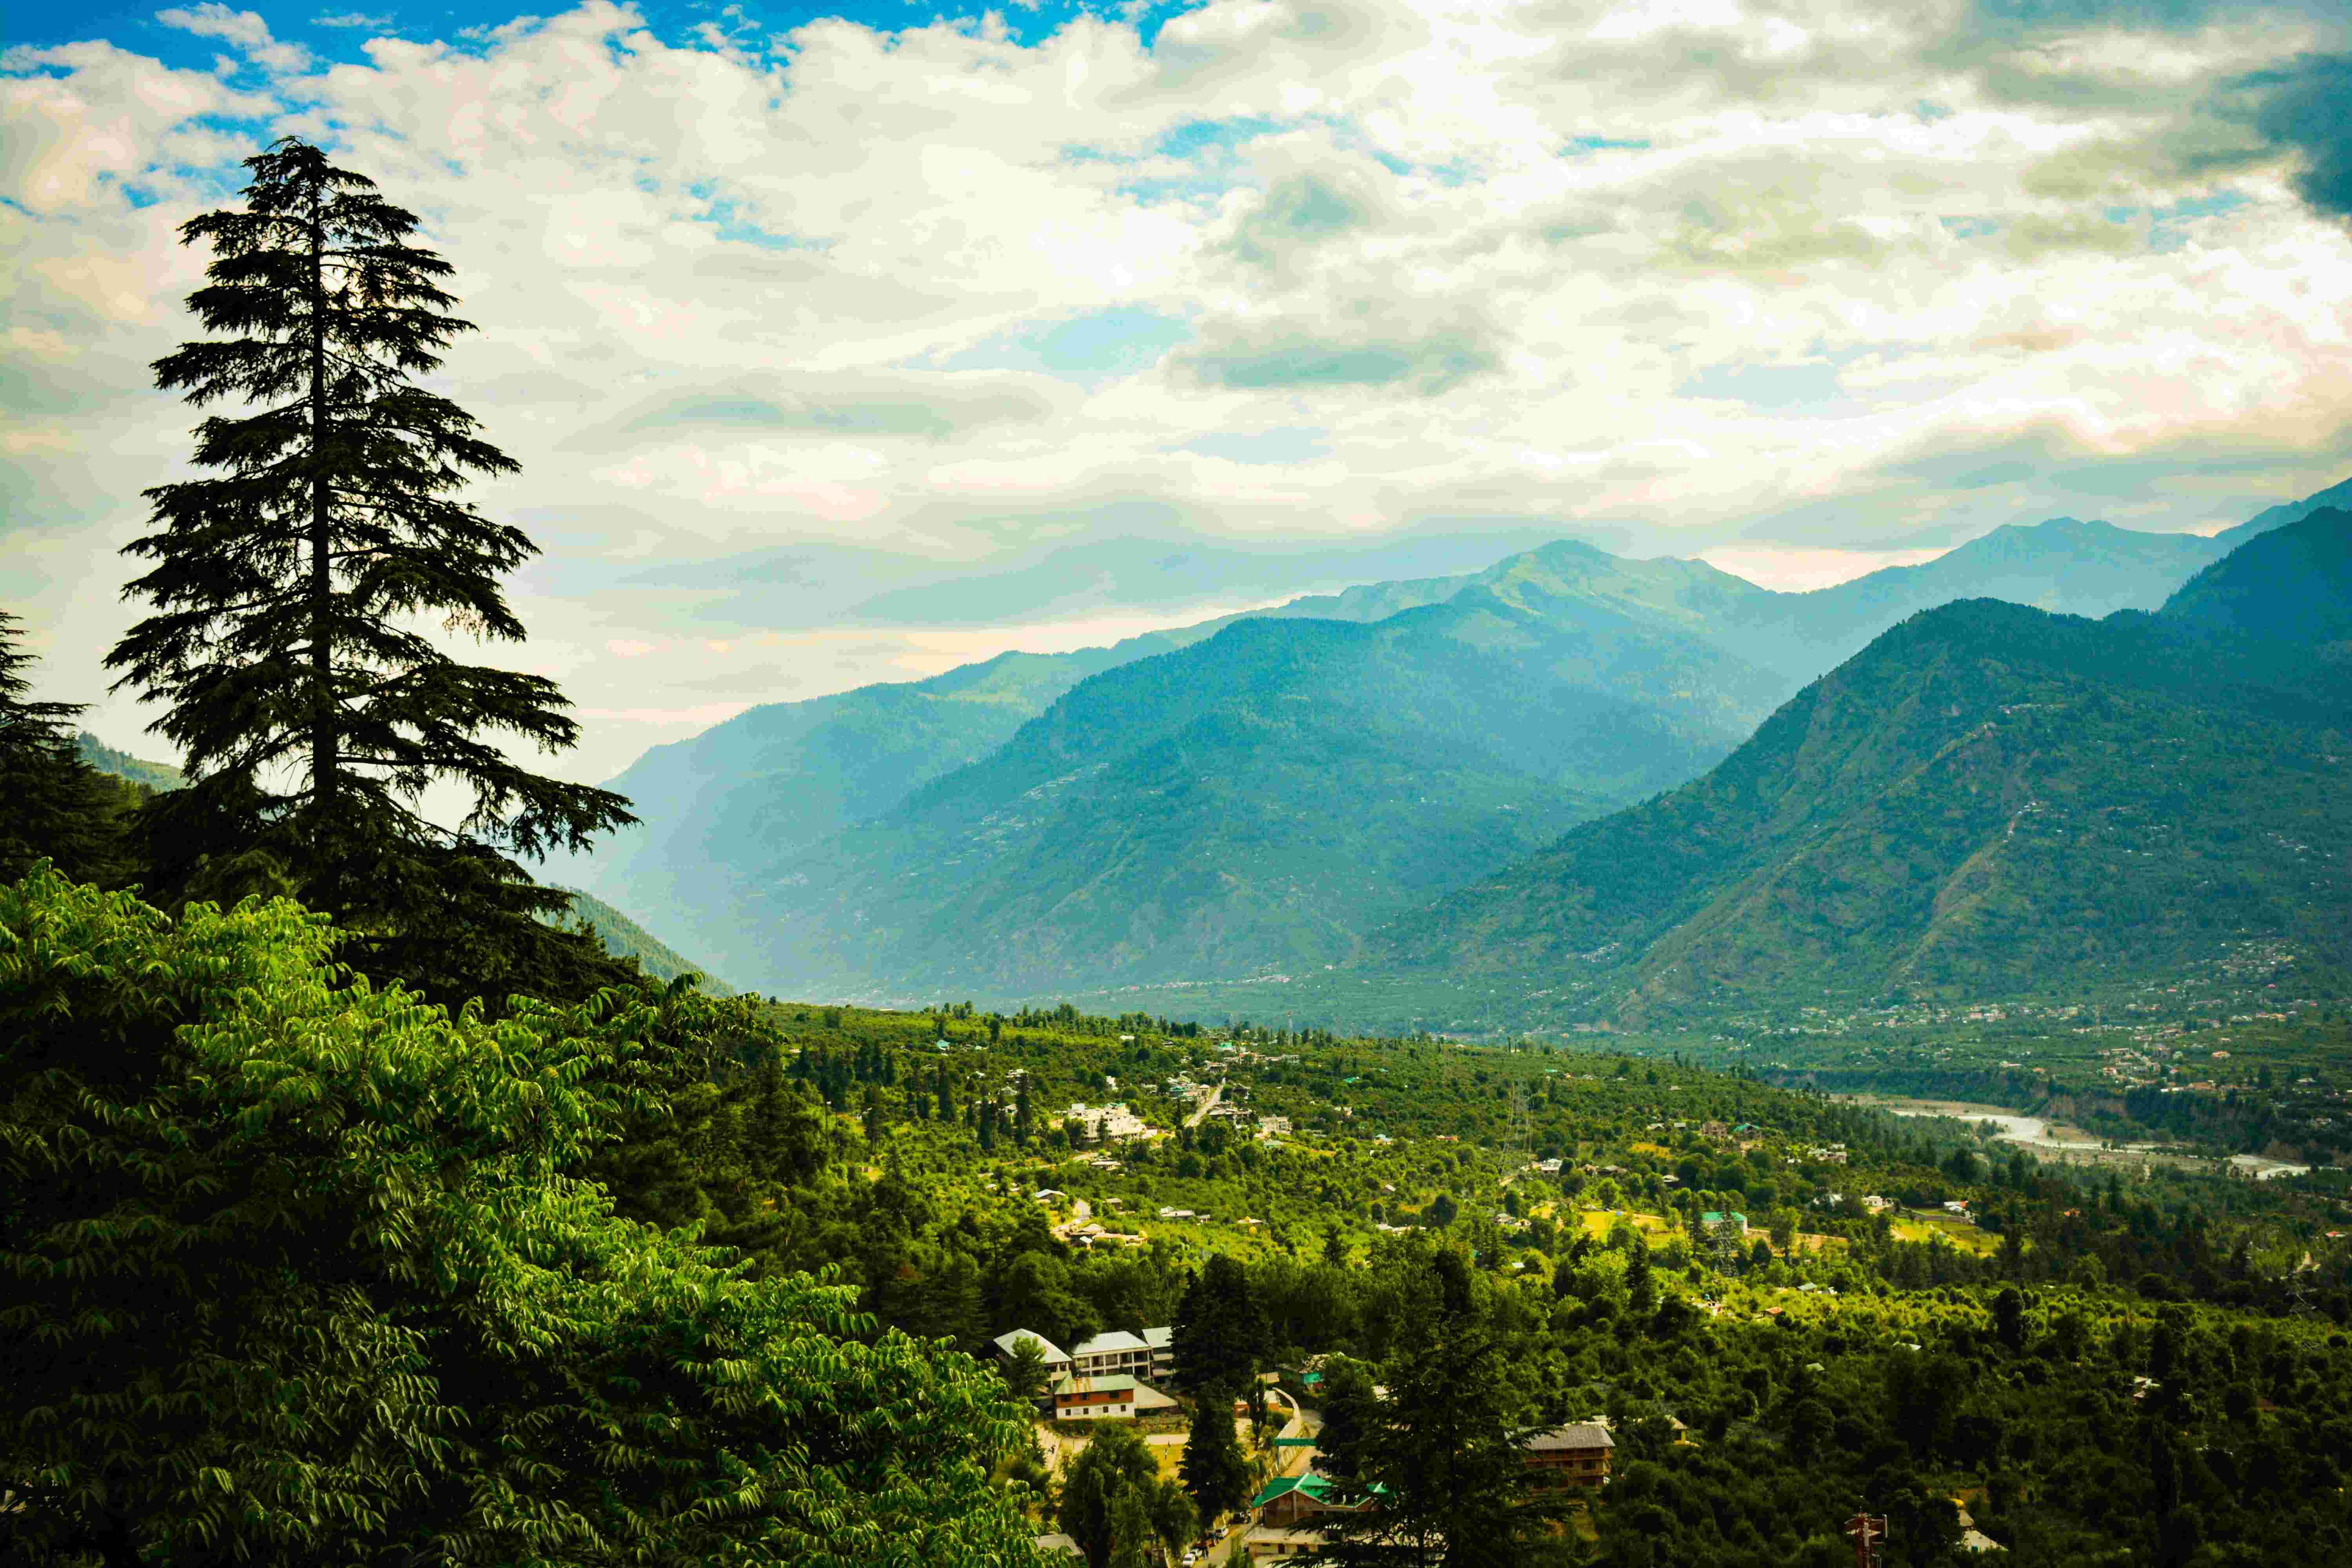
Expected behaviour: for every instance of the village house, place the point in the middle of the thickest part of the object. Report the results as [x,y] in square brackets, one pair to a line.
[1292,1512]
[1056,1361]
[1736,1223]
[1575,1454]
[1096,1123]
[1110,1353]
[1077,1398]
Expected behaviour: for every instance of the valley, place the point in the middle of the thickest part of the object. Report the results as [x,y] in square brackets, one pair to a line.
[1320,783]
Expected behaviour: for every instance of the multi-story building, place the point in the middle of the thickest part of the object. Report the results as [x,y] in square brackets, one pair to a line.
[1575,1454]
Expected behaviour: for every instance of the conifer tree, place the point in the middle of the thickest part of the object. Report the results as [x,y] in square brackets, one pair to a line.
[53,805]
[294,590]
[1213,1472]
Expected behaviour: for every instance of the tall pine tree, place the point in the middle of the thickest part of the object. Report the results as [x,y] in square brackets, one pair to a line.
[294,592]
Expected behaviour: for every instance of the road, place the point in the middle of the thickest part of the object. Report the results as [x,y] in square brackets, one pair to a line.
[1207,1105]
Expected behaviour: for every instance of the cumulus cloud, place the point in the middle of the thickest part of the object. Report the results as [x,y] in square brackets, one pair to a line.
[904,306]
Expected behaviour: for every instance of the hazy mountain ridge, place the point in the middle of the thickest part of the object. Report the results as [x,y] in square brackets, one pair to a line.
[1256,800]
[797,842]
[1990,800]
[2270,519]
[780,777]
[2281,586]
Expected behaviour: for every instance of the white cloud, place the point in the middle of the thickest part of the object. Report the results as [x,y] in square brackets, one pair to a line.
[1672,266]
[245,29]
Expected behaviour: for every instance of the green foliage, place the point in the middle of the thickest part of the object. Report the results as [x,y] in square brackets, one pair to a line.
[295,1270]
[1220,1330]
[286,591]
[1214,1474]
[1439,1457]
[1114,1504]
[1797,1407]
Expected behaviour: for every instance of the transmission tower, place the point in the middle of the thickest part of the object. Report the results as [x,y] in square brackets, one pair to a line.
[1868,1529]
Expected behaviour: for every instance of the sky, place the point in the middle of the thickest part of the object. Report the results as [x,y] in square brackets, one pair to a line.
[849,345]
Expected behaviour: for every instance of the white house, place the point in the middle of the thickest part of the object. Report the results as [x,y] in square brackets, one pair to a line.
[1097,1122]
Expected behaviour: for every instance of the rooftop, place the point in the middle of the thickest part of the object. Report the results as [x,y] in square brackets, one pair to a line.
[1071,1383]
[1575,1435]
[1320,1488]
[1006,1341]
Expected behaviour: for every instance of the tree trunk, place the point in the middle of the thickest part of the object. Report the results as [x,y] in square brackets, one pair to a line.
[323,748]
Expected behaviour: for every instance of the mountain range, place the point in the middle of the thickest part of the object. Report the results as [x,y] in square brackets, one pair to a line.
[1262,793]
[1989,800]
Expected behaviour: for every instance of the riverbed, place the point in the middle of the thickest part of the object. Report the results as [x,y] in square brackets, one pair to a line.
[2029,1131]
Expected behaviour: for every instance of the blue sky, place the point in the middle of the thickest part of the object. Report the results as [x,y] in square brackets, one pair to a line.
[841,345]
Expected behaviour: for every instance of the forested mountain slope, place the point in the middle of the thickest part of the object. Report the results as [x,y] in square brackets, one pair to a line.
[2286,586]
[782,777]
[123,765]
[1256,801]
[737,853]
[624,938]
[1990,800]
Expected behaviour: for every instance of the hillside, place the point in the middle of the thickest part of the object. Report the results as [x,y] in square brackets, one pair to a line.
[1254,801]
[159,776]
[624,938]
[2283,586]
[1989,800]
[786,843]
[780,777]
